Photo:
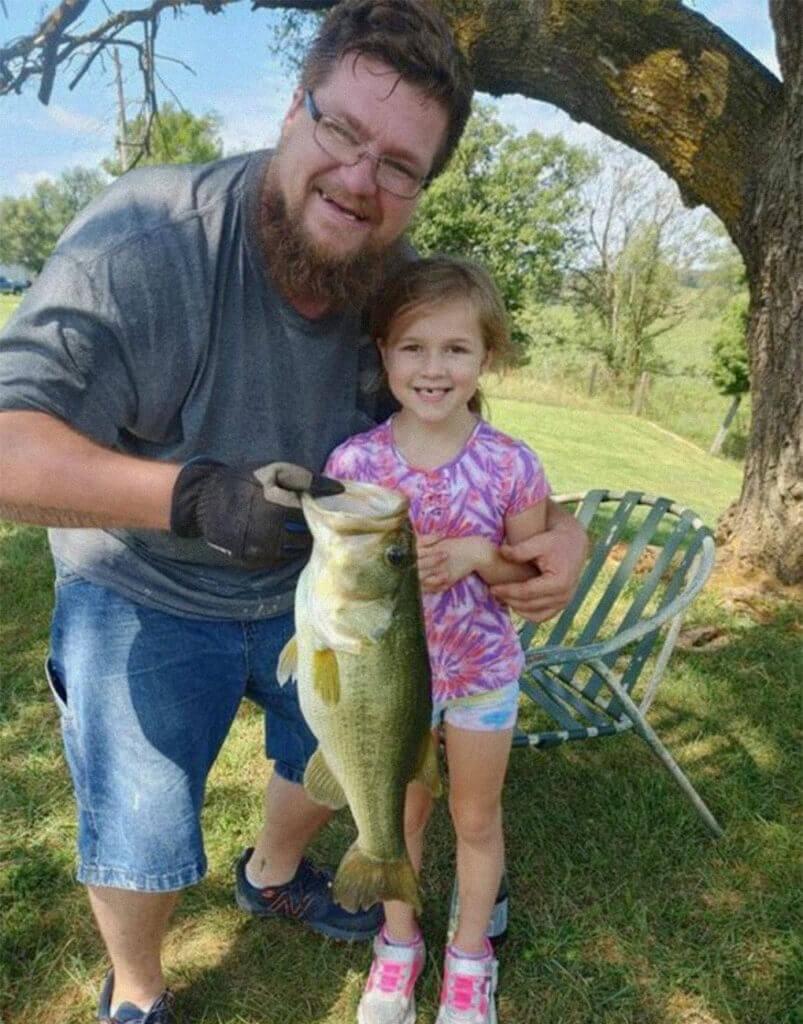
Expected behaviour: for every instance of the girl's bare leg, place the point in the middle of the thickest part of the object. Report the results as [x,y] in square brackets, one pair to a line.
[477,766]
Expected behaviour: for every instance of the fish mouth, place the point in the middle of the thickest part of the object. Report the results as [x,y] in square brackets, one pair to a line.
[361,508]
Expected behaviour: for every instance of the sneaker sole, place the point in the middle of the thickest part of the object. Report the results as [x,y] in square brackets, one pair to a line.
[330,931]
[409,1017]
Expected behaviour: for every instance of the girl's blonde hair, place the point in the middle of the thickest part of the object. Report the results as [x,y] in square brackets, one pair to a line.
[434,281]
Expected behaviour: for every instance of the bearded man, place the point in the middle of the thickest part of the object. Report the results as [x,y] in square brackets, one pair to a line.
[193,323]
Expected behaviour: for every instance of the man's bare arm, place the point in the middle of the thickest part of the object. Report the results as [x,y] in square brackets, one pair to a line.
[52,475]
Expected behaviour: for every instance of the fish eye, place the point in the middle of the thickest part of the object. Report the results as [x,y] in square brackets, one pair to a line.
[396,555]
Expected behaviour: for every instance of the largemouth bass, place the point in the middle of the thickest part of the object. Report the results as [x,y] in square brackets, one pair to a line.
[360,657]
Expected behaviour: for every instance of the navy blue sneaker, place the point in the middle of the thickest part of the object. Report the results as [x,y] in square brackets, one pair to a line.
[160,1013]
[307,898]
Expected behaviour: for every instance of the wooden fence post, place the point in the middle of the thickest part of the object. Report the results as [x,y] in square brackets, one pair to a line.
[592,379]
[722,433]
[640,397]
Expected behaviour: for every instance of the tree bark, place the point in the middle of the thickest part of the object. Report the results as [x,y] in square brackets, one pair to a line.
[662,79]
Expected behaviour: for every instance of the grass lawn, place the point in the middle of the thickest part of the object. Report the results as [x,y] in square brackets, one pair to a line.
[623,910]
[8,303]
[583,448]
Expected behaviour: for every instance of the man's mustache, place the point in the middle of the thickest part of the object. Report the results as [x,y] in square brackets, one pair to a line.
[366,210]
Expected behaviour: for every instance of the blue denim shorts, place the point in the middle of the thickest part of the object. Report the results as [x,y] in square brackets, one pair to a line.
[146,700]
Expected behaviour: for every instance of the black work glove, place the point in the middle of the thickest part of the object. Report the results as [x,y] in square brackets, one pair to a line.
[252,515]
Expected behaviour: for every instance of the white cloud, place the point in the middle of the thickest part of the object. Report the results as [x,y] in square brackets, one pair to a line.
[526,115]
[71,122]
[25,181]
[251,123]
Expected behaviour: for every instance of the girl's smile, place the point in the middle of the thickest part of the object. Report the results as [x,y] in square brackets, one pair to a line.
[434,357]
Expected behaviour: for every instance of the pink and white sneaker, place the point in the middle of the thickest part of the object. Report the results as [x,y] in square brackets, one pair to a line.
[468,990]
[388,996]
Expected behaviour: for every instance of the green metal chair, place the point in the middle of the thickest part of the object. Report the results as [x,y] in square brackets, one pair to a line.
[582,680]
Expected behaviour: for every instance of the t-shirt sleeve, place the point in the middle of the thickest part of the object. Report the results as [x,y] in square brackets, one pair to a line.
[63,352]
[529,484]
[348,462]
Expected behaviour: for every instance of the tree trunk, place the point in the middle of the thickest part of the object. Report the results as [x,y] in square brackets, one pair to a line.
[662,79]
[766,524]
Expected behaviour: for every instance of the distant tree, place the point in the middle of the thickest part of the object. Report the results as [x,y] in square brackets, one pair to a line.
[731,369]
[723,274]
[172,136]
[30,226]
[628,277]
[510,202]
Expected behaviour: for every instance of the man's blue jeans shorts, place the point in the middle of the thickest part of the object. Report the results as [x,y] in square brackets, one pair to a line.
[146,700]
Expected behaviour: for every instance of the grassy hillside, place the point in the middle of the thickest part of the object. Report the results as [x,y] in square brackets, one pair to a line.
[680,398]
[583,448]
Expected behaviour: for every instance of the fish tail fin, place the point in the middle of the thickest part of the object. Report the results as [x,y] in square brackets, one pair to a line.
[362,881]
[426,769]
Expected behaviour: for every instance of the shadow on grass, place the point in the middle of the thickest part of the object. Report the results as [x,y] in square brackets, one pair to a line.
[623,910]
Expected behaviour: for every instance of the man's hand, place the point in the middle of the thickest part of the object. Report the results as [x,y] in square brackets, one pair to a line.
[252,515]
[559,554]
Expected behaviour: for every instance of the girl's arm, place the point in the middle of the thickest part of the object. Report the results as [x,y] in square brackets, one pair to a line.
[442,561]
[559,554]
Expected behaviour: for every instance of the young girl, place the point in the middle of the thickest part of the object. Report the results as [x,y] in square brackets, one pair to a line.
[439,324]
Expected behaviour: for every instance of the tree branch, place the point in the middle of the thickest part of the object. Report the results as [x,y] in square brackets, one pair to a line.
[656,76]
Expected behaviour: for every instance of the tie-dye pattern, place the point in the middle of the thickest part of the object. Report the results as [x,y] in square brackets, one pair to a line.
[473,647]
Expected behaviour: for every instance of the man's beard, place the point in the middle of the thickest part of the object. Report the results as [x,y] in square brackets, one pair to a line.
[298,268]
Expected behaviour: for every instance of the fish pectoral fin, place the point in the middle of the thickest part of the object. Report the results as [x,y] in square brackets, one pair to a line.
[287,667]
[375,620]
[321,785]
[426,769]
[325,676]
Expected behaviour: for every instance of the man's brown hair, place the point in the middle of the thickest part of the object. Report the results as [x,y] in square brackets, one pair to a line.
[407,35]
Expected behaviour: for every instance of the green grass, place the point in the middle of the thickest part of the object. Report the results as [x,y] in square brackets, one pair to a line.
[8,303]
[583,448]
[681,398]
[623,910]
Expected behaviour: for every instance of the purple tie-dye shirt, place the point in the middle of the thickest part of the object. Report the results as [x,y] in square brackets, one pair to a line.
[473,648]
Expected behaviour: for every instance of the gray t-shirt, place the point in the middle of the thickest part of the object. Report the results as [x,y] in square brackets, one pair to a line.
[154,329]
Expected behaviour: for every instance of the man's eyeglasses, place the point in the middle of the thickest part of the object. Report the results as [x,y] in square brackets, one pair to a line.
[340,142]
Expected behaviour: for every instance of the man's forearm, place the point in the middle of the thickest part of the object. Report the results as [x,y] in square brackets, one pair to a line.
[51,475]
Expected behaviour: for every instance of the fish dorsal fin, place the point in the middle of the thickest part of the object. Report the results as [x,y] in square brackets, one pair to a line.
[321,785]
[287,667]
[325,676]
[426,769]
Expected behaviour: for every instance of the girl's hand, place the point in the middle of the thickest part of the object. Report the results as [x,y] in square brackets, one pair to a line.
[442,561]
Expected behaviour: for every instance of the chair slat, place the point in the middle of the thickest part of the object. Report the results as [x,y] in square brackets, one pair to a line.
[595,563]
[645,592]
[583,514]
[544,700]
[554,684]
[646,644]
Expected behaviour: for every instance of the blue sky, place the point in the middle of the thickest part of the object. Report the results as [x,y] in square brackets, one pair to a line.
[239,78]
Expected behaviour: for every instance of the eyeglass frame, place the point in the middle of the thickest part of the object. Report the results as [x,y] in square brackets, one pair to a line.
[317,115]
